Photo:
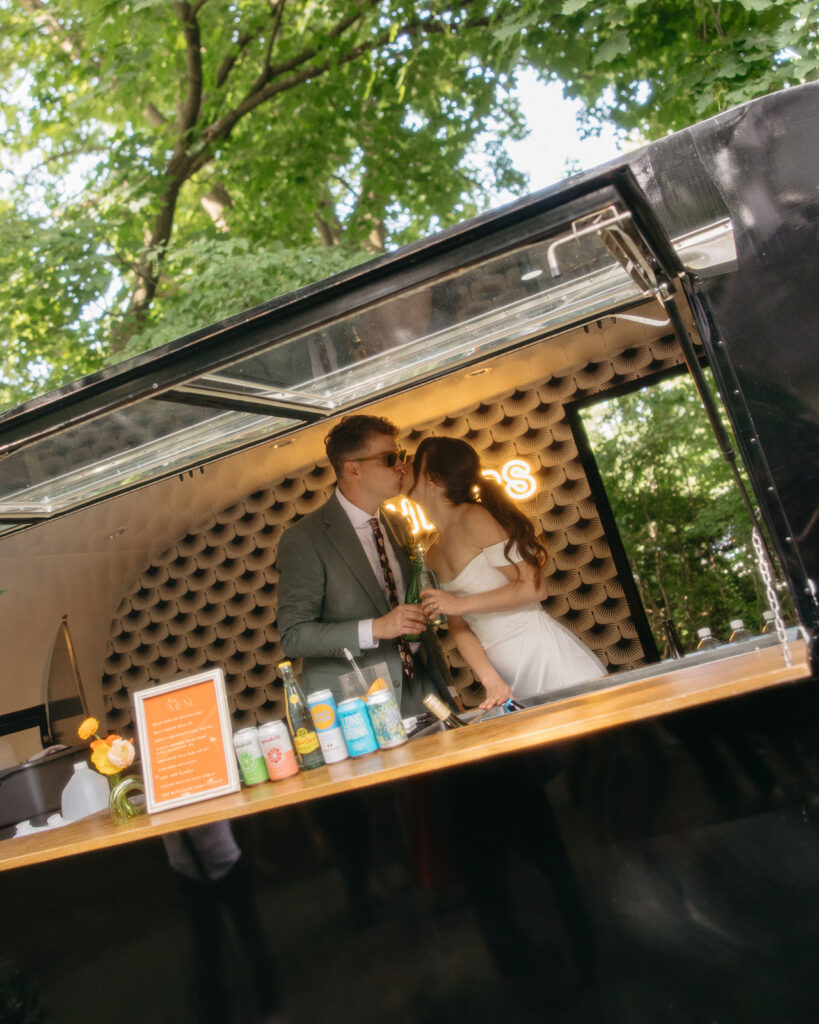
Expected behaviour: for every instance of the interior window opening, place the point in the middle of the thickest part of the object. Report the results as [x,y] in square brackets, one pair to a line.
[677,515]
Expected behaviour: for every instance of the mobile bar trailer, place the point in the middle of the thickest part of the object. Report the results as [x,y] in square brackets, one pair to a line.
[643,847]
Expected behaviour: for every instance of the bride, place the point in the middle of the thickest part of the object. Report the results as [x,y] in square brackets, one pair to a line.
[490,567]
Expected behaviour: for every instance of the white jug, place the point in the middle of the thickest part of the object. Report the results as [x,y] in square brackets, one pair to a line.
[86,792]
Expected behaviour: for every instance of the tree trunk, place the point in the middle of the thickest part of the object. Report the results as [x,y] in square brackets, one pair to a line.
[148,268]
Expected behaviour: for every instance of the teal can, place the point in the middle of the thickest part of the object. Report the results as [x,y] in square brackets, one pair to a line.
[388,726]
[356,726]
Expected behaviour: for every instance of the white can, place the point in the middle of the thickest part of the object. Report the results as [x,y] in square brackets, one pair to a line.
[322,706]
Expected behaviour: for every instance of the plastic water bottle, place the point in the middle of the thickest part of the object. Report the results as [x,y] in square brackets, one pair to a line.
[707,639]
[86,792]
[739,632]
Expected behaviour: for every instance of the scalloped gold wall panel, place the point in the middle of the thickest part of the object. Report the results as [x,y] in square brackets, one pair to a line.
[483,415]
[498,452]
[211,598]
[556,604]
[594,376]
[532,440]
[218,534]
[632,359]
[576,619]
[518,403]
[259,500]
[191,544]
[544,413]
[585,530]
[210,614]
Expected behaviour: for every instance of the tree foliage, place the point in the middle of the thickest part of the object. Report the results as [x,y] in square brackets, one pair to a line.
[659,65]
[680,514]
[169,162]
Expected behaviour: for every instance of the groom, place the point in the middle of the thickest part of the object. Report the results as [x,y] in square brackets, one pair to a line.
[343,572]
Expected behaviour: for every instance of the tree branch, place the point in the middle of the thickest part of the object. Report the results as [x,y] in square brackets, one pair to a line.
[244,40]
[222,127]
[154,117]
[343,181]
[190,106]
[185,163]
[230,61]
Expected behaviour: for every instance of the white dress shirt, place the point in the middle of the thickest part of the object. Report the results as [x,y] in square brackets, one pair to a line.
[360,521]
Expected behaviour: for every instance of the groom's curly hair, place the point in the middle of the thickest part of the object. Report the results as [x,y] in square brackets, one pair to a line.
[349,436]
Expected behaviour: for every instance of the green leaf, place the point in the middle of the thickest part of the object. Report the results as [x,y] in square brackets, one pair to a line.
[612,48]
[756,5]
[570,7]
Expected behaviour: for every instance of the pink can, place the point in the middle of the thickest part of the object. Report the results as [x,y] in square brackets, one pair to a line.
[279,755]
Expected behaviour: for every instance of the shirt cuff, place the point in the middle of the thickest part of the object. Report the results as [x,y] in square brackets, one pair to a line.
[365,635]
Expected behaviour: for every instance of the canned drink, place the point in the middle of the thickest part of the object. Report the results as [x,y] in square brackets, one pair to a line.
[279,755]
[250,757]
[388,725]
[358,730]
[323,709]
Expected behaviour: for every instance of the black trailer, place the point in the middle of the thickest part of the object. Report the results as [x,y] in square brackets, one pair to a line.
[660,865]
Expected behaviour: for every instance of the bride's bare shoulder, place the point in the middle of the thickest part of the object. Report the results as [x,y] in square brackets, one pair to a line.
[481,526]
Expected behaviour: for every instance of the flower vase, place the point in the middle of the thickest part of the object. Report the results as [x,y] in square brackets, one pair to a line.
[123,802]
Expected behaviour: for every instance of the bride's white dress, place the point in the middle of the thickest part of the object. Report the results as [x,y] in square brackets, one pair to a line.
[532,653]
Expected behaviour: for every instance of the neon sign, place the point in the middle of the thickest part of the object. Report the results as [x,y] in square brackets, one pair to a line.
[516,477]
[414,514]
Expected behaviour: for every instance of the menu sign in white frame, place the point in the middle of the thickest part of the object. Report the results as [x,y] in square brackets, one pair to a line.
[186,741]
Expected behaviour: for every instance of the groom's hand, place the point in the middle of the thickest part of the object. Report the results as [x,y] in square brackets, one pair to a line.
[403,618]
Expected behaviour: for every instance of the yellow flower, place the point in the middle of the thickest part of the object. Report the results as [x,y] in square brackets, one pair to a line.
[88,728]
[100,760]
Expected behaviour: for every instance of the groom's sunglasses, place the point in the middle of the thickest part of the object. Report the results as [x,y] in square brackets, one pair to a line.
[388,458]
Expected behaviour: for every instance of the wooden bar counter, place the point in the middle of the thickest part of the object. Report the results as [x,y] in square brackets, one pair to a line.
[620,703]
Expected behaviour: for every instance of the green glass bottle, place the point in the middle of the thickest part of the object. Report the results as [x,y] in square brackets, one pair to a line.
[299,720]
[414,585]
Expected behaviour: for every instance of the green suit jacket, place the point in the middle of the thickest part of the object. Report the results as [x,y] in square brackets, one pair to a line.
[326,586]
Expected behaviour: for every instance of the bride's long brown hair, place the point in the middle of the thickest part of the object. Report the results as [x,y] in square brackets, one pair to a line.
[455,465]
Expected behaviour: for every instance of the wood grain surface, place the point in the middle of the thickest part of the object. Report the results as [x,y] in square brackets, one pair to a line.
[618,704]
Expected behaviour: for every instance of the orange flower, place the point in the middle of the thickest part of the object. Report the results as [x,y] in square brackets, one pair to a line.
[111,755]
[88,728]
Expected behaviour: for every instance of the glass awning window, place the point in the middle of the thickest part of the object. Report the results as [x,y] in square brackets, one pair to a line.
[467,315]
[121,450]
[409,318]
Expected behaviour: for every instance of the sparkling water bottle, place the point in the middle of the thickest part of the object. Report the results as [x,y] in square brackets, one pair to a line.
[299,721]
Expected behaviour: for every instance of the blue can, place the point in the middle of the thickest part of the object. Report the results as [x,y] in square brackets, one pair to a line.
[357,728]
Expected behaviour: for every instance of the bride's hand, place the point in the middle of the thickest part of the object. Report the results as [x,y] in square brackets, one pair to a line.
[497,693]
[435,601]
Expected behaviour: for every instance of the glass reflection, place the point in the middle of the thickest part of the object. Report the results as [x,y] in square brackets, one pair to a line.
[127,447]
[472,313]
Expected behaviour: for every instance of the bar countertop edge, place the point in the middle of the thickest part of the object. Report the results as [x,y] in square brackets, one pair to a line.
[575,716]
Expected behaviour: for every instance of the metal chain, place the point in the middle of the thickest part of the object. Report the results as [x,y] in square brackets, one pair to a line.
[764,566]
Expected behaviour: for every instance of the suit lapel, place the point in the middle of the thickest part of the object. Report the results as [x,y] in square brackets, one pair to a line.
[344,539]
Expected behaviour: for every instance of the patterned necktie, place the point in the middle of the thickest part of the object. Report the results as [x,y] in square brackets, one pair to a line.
[392,597]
